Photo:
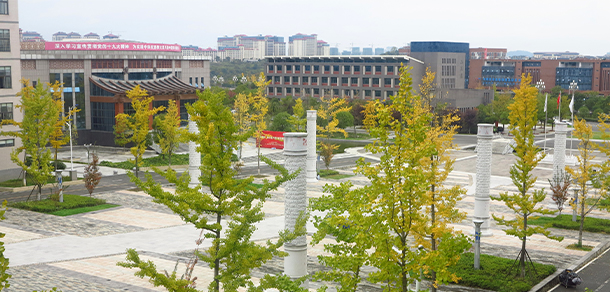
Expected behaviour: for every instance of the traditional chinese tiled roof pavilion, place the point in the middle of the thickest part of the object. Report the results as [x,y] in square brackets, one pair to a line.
[169,85]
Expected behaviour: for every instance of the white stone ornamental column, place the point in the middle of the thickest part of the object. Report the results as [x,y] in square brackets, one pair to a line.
[312,169]
[559,152]
[295,150]
[194,156]
[481,197]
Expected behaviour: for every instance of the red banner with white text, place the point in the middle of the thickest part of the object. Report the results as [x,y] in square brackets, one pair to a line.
[273,139]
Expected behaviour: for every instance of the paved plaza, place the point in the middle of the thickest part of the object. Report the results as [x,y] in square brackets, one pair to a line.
[80,252]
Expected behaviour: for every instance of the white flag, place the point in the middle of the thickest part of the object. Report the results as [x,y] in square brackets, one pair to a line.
[572,105]
[546,97]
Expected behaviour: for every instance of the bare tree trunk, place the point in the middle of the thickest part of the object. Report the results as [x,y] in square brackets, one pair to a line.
[522,259]
[39,191]
[217,260]
[582,220]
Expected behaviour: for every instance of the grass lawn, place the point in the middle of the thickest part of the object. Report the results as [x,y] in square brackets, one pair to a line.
[68,212]
[16,183]
[493,274]
[351,135]
[565,222]
[71,202]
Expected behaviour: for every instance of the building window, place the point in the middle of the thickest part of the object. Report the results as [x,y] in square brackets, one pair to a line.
[347,69]
[184,115]
[288,90]
[295,79]
[305,80]
[102,116]
[276,79]
[336,69]
[344,80]
[196,81]
[377,93]
[314,80]
[333,80]
[390,69]
[307,67]
[297,67]
[167,64]
[286,79]
[270,68]
[5,40]
[7,143]
[6,111]
[4,7]
[5,77]
[316,91]
[316,67]
[354,81]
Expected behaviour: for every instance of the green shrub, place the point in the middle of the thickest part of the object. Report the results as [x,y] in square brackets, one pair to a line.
[280,122]
[50,206]
[494,275]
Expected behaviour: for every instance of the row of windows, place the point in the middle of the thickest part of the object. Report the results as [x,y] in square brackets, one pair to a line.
[448,70]
[197,84]
[448,61]
[340,60]
[447,82]
[134,64]
[345,81]
[102,116]
[317,92]
[336,69]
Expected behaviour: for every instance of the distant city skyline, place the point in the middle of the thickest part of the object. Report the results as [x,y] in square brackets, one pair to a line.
[512,25]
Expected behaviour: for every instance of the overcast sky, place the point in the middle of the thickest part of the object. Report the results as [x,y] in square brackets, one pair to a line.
[531,25]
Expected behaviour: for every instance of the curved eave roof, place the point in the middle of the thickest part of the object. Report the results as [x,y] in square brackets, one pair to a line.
[168,85]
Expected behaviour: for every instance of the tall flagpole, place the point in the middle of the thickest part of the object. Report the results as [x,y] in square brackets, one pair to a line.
[573,87]
[546,117]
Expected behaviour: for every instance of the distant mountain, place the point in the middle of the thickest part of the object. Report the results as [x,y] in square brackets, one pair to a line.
[519,53]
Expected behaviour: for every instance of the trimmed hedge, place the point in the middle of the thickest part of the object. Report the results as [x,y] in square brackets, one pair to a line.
[565,222]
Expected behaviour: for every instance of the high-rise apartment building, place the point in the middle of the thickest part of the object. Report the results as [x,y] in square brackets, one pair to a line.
[10,74]
[334,51]
[303,45]
[323,49]
[355,51]
[379,51]
[367,51]
[242,47]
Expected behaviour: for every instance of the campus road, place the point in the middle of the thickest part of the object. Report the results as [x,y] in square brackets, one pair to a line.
[121,182]
[595,276]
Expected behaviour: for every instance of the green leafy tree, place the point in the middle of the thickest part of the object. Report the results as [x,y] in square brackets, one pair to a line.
[298,119]
[584,112]
[523,114]
[40,115]
[138,123]
[218,196]
[4,276]
[603,175]
[281,122]
[122,133]
[328,109]
[584,174]
[171,132]
[346,120]
[500,108]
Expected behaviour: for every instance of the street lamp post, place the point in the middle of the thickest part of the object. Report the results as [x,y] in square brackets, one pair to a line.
[60,184]
[541,87]
[70,130]
[573,88]
[235,79]
[244,79]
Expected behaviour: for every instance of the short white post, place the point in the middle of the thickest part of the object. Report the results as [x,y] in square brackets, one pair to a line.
[194,156]
[295,150]
[477,244]
[481,197]
[312,170]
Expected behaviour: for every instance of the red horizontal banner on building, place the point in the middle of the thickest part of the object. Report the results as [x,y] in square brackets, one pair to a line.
[273,139]
[97,46]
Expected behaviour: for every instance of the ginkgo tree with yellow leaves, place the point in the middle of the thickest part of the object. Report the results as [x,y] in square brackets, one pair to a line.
[259,106]
[381,224]
[59,136]
[584,174]
[138,122]
[241,114]
[40,116]
[523,118]
[327,111]
[297,119]
[171,134]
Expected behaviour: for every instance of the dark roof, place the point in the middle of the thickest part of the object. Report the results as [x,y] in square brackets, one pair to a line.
[167,85]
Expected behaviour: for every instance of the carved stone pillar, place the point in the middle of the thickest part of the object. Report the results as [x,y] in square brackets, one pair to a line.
[295,150]
[481,197]
[311,146]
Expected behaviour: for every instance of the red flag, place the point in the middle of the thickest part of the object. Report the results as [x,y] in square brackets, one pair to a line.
[559,100]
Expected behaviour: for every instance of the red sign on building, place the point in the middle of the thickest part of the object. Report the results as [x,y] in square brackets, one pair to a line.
[273,139]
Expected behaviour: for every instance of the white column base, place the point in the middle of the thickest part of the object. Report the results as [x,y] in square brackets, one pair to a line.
[295,264]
